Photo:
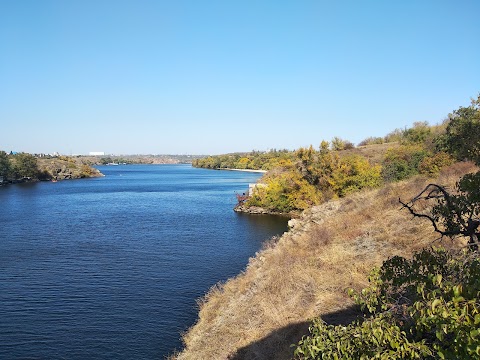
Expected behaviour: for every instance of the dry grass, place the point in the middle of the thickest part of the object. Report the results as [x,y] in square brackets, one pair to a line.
[375,153]
[306,273]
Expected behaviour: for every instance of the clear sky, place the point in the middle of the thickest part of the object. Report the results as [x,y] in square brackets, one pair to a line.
[209,77]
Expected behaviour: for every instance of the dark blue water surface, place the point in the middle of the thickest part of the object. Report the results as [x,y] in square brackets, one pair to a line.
[110,268]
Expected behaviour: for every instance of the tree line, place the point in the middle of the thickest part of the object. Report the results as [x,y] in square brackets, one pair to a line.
[308,176]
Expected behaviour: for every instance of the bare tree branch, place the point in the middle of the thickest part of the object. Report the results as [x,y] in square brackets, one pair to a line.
[461,215]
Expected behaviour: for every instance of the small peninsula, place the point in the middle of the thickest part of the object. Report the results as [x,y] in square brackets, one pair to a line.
[24,167]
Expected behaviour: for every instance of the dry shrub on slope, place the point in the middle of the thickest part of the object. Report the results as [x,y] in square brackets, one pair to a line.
[306,273]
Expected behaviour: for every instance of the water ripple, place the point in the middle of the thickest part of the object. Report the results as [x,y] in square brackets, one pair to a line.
[110,268]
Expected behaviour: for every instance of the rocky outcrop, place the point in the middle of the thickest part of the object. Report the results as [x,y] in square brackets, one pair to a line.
[56,169]
[242,208]
[256,210]
[65,173]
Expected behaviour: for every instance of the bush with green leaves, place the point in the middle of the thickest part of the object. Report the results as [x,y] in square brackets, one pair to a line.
[425,308]
[403,162]
[417,134]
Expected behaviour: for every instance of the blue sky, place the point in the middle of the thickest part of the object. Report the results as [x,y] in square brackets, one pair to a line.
[209,77]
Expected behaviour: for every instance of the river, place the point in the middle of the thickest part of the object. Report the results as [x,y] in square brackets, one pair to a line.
[111,267]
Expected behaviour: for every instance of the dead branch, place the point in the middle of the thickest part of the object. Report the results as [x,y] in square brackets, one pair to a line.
[468,228]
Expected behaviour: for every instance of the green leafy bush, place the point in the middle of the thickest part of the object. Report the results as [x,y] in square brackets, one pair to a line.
[417,134]
[403,162]
[424,308]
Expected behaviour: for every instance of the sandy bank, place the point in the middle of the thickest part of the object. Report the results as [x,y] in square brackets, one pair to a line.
[244,170]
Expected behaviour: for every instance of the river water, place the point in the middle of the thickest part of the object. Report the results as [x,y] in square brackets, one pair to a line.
[111,267]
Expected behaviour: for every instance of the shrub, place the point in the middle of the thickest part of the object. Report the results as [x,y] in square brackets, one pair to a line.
[285,192]
[355,173]
[402,162]
[426,308]
[431,165]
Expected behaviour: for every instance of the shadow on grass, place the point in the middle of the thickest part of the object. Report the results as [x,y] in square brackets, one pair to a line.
[277,345]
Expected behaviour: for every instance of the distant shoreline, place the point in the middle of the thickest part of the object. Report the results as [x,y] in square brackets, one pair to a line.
[244,170]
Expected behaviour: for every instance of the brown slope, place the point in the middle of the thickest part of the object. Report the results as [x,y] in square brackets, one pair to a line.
[305,273]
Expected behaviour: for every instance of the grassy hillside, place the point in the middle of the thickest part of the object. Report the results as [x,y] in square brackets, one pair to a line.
[306,272]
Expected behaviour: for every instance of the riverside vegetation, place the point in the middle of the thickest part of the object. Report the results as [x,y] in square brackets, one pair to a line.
[306,177]
[24,167]
[314,287]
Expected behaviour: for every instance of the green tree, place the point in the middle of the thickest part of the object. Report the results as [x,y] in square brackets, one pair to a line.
[427,307]
[105,161]
[417,134]
[462,137]
[25,166]
[4,165]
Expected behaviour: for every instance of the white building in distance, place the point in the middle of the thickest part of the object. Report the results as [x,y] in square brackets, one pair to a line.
[96,153]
